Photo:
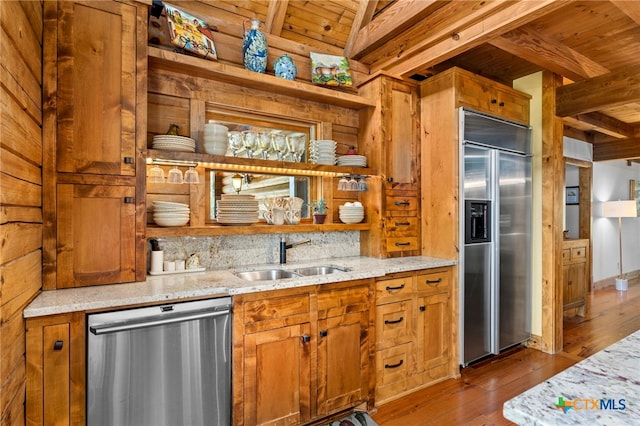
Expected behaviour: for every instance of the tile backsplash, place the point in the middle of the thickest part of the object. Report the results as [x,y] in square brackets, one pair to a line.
[236,251]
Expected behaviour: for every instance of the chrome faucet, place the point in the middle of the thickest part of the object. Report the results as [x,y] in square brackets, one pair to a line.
[284,246]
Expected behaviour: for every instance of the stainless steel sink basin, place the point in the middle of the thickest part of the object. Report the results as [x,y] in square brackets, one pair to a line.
[266,274]
[319,270]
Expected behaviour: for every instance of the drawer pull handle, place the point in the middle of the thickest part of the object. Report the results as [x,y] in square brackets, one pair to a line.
[394,365]
[402,203]
[400,287]
[402,244]
[57,345]
[394,321]
[306,338]
[434,282]
[323,333]
[129,200]
[403,223]
[128,160]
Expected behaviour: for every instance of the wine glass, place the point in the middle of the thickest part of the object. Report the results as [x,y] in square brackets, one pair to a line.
[264,144]
[279,145]
[250,142]
[156,175]
[297,146]
[175,175]
[191,176]
[235,142]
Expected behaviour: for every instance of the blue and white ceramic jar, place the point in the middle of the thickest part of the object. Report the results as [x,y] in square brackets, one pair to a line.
[254,49]
[284,67]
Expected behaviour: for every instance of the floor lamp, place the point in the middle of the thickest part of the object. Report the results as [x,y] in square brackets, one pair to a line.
[620,209]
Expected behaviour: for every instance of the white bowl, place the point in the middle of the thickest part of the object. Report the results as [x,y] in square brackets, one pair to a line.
[171,221]
[215,149]
[351,220]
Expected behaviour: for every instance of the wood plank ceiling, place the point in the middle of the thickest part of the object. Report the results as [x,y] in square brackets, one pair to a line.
[594,45]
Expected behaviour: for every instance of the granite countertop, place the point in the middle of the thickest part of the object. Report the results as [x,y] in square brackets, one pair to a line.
[161,288]
[603,389]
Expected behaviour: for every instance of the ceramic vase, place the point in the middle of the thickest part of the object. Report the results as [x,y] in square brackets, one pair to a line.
[254,48]
[284,67]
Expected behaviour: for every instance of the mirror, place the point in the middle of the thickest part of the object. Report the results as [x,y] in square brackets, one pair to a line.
[262,186]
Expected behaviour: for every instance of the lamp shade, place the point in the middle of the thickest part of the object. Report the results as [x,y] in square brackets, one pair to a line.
[623,208]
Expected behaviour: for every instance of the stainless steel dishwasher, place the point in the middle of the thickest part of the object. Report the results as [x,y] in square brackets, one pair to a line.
[160,365]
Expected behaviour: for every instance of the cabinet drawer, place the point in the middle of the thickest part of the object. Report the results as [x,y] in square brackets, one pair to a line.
[341,301]
[402,204]
[393,323]
[393,290]
[401,226]
[402,243]
[393,364]
[433,282]
[578,253]
[566,254]
[275,308]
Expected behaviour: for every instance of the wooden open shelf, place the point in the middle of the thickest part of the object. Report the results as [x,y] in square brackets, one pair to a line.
[258,228]
[189,65]
[273,166]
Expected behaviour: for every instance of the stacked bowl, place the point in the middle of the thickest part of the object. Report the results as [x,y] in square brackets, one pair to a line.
[166,213]
[216,139]
[351,212]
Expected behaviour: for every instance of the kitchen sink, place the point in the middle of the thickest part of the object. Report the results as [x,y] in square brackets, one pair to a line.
[266,274]
[319,270]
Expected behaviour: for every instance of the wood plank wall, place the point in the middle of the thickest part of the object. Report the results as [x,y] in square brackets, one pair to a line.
[20,191]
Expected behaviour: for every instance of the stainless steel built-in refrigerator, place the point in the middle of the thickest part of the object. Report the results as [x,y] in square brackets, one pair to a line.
[495,278]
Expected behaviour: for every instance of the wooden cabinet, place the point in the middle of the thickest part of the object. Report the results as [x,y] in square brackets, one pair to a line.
[304,353]
[55,370]
[441,98]
[414,332]
[390,138]
[94,166]
[575,275]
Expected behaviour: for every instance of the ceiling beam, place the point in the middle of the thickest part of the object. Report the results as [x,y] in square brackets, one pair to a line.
[276,12]
[596,121]
[463,38]
[608,90]
[532,46]
[401,15]
[617,150]
[364,15]
[629,8]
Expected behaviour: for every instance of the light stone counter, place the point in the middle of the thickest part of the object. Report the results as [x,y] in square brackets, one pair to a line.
[162,288]
[603,389]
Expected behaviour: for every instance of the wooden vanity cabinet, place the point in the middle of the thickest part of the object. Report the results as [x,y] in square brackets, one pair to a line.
[575,275]
[414,332]
[94,126]
[301,354]
[55,370]
[390,138]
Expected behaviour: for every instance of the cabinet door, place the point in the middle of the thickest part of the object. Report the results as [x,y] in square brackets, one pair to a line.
[400,113]
[574,292]
[343,362]
[277,376]
[96,235]
[55,370]
[434,331]
[96,101]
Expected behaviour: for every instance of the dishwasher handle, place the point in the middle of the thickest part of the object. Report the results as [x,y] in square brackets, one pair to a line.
[148,322]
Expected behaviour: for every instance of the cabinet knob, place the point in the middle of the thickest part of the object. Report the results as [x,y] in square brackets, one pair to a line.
[494,101]
[501,104]
[394,321]
[57,345]
[128,160]
[306,338]
[423,308]
[394,365]
[323,333]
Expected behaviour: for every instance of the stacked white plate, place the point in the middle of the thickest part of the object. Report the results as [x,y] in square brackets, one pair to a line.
[322,152]
[352,160]
[216,139]
[351,212]
[173,143]
[166,213]
[237,209]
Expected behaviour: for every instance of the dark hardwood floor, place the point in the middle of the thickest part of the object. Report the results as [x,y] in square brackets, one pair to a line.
[477,397]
